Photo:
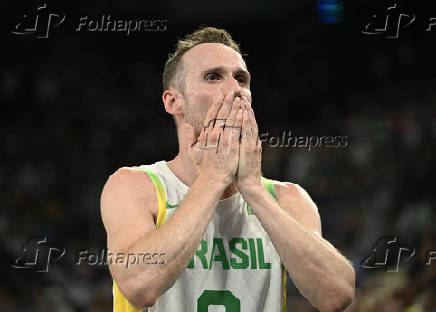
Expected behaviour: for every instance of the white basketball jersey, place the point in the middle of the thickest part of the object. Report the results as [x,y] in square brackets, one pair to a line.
[235,268]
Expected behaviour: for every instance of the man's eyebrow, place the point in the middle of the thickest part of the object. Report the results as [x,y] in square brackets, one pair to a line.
[214,69]
[221,69]
[245,73]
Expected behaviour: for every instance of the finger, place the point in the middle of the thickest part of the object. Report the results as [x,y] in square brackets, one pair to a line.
[213,110]
[213,136]
[259,144]
[236,129]
[192,142]
[249,115]
[228,127]
[205,143]
[246,100]
[223,113]
[247,94]
[217,131]
[209,139]
[253,123]
[246,127]
[230,121]
[219,123]
[202,139]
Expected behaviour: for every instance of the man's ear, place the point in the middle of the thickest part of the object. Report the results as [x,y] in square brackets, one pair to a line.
[173,102]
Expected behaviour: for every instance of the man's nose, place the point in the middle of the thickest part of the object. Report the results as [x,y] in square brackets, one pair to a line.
[233,85]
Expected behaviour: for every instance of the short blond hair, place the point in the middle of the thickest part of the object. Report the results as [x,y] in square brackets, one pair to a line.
[173,76]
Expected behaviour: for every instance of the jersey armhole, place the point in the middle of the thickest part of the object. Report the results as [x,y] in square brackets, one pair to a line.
[160,194]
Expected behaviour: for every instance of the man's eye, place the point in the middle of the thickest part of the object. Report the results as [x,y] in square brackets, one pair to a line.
[241,79]
[211,76]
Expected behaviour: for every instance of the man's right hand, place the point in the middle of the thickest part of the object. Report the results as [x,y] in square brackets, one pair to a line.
[216,152]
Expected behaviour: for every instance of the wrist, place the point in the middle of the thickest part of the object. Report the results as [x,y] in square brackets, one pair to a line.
[217,184]
[251,188]
[253,194]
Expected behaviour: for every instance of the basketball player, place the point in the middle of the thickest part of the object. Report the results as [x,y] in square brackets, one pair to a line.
[206,231]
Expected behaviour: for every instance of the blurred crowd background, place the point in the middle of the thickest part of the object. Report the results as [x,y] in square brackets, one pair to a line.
[78,105]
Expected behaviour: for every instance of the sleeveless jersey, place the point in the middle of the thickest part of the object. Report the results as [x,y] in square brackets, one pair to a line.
[235,268]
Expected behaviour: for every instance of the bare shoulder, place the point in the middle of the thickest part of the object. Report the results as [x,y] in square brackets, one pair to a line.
[129,182]
[127,203]
[295,200]
[292,189]
[130,179]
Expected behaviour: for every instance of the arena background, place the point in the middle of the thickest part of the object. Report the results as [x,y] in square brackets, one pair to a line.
[79,104]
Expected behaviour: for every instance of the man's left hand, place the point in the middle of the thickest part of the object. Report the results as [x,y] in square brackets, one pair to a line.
[249,172]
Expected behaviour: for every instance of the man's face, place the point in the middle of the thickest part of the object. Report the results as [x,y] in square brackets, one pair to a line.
[211,69]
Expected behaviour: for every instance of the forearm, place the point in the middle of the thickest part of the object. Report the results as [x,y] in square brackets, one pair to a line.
[318,270]
[177,239]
